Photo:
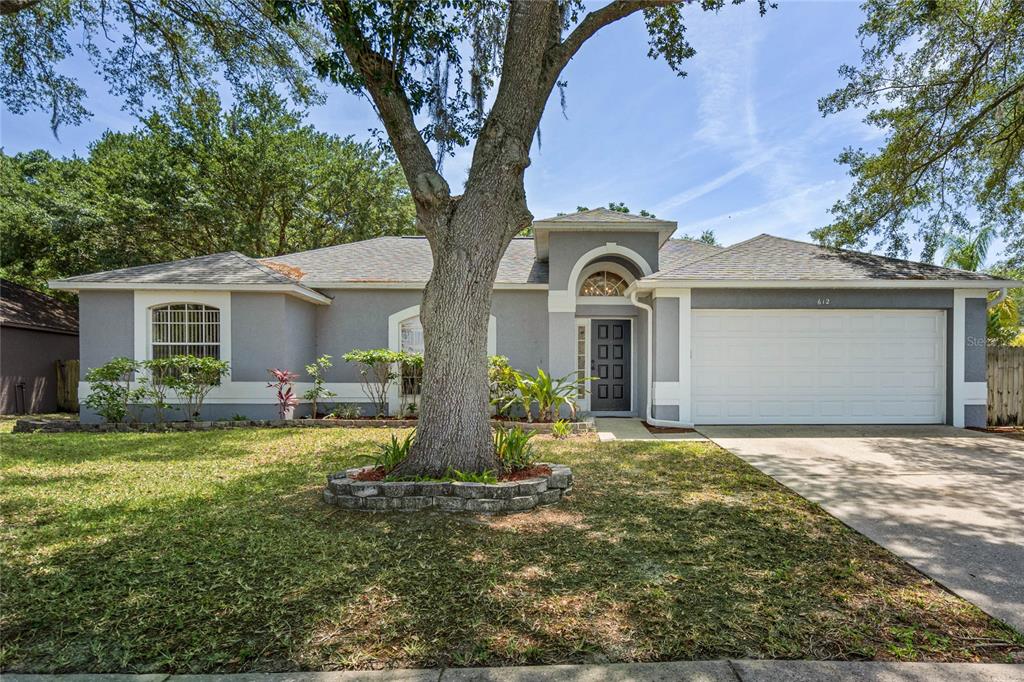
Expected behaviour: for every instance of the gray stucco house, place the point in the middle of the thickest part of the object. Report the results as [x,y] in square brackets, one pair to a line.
[766,331]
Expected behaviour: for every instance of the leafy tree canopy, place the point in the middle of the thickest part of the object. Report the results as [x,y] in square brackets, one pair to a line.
[945,81]
[195,180]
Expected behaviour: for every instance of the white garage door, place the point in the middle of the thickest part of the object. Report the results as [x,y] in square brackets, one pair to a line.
[818,366]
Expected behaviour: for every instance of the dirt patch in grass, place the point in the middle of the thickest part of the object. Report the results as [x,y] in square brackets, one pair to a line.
[212,552]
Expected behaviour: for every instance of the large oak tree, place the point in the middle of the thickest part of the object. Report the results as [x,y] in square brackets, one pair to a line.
[440,73]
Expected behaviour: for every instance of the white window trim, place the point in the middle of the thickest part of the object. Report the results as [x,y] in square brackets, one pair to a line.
[584,322]
[145,301]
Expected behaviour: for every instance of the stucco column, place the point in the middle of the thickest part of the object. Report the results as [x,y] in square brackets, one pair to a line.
[970,386]
[671,385]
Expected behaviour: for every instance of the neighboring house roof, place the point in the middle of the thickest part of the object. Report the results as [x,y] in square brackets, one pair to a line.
[29,309]
[228,269]
[776,259]
[400,259]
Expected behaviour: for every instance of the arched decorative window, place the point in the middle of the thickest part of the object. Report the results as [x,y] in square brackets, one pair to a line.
[186,329]
[603,283]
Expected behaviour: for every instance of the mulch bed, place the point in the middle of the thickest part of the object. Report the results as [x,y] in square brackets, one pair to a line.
[541,471]
[1016,432]
[668,429]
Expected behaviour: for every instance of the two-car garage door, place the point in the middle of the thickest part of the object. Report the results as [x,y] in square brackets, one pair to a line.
[818,366]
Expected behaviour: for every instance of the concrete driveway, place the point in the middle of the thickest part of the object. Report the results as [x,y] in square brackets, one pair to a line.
[949,501]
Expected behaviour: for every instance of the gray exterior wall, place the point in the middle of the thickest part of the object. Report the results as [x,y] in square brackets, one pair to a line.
[666,412]
[567,247]
[29,357]
[666,340]
[106,327]
[976,415]
[975,339]
[521,317]
[358,318]
[270,331]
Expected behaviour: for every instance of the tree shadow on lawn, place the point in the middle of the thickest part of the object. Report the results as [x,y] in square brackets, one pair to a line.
[663,552]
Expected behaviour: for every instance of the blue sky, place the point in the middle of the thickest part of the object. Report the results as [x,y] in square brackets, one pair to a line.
[737,146]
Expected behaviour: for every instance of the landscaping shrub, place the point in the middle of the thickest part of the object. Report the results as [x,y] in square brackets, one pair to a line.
[394,452]
[161,378]
[377,371]
[319,391]
[561,429]
[345,411]
[283,384]
[513,448]
[503,384]
[111,392]
[192,379]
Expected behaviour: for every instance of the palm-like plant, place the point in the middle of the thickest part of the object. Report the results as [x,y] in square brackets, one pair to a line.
[968,251]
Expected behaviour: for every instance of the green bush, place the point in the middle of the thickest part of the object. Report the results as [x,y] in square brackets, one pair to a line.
[192,379]
[377,371]
[110,391]
[561,429]
[394,452]
[487,476]
[513,448]
[503,384]
[161,373]
[319,391]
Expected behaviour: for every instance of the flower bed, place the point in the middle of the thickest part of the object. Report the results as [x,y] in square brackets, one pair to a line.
[347,491]
[72,425]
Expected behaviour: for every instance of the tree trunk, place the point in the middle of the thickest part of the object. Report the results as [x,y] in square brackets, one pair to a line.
[454,431]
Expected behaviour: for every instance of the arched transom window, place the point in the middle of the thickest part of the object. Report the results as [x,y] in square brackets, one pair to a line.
[186,329]
[603,283]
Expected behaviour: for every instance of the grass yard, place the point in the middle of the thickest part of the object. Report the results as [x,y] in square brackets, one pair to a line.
[212,552]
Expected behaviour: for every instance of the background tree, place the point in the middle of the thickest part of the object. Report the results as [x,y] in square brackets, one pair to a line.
[440,74]
[945,81]
[192,181]
[967,250]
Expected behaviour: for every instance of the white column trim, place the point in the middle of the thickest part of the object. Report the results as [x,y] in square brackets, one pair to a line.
[964,392]
[685,382]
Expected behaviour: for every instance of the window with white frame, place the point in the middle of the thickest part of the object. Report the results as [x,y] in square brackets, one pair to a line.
[185,329]
[581,360]
[412,342]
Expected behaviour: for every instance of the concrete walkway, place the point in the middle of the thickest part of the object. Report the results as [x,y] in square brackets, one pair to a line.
[693,671]
[948,501]
[631,428]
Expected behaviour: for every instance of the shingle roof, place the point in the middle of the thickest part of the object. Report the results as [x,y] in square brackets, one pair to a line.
[678,252]
[401,259]
[772,258]
[229,267]
[600,215]
[24,307]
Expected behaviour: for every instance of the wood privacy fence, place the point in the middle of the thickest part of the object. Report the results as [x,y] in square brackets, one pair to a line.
[1005,386]
[67,385]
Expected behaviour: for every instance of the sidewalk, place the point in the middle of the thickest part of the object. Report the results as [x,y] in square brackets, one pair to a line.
[686,671]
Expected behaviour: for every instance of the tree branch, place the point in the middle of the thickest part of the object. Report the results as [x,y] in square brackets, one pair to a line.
[381,78]
[594,22]
[14,6]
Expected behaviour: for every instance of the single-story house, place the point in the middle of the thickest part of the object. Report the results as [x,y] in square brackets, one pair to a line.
[36,332]
[766,331]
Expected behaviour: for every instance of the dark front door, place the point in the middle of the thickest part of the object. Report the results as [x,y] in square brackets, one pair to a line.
[609,363]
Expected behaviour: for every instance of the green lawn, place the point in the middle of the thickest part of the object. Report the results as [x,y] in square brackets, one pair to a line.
[213,552]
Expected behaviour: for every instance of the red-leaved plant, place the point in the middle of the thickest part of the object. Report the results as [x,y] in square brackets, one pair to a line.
[283,380]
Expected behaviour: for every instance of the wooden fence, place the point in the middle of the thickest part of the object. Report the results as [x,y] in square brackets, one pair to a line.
[67,385]
[1005,386]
